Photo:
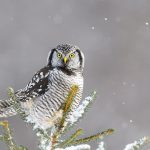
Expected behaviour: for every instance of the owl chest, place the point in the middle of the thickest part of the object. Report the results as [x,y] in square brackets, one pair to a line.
[59,88]
[47,107]
[60,83]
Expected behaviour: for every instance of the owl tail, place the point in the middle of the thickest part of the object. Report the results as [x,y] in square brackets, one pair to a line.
[6,109]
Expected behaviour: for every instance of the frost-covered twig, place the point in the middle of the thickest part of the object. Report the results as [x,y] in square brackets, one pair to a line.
[137,145]
[71,139]
[67,108]
[7,137]
[16,105]
[78,147]
[70,118]
[59,128]
[99,136]
[101,146]
[51,139]
[80,111]
[2,138]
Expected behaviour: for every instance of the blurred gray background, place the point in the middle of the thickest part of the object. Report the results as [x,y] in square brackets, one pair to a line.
[115,38]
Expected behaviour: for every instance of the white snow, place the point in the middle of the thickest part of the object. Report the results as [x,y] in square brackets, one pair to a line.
[78,147]
[105,19]
[137,144]
[78,113]
[93,27]
[146,23]
[131,121]
[101,146]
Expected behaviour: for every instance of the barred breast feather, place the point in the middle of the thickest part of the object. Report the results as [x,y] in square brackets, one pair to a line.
[44,95]
[46,108]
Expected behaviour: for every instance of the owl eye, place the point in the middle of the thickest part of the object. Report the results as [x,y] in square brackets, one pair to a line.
[72,55]
[59,55]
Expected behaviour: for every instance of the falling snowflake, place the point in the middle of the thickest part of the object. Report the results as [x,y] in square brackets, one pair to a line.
[105,19]
[131,121]
[146,23]
[93,27]
[124,83]
[123,103]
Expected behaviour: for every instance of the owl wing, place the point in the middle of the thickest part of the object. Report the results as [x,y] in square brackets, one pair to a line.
[36,87]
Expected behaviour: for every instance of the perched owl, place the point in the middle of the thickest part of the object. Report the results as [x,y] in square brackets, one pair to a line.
[44,96]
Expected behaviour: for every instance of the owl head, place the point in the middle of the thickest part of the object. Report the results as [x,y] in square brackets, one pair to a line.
[66,57]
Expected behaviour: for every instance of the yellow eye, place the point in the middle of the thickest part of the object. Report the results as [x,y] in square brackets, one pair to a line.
[59,55]
[72,55]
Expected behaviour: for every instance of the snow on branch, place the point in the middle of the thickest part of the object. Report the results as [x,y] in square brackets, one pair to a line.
[51,139]
[137,145]
[8,139]
[80,111]
[101,146]
[79,147]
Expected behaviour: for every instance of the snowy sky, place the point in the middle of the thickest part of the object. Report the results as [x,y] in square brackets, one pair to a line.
[115,38]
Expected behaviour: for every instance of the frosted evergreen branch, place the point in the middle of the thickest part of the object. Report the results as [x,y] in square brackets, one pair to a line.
[78,147]
[137,145]
[44,139]
[16,105]
[42,133]
[67,107]
[64,123]
[45,143]
[7,137]
[71,138]
[50,139]
[101,146]
[2,138]
[79,113]
[71,95]
[66,110]
[98,136]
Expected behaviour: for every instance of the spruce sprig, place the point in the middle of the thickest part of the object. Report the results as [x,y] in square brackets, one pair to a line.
[50,139]
[62,127]
[8,138]
[16,105]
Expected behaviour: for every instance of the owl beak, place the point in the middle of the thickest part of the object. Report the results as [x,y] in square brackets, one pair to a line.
[65,60]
